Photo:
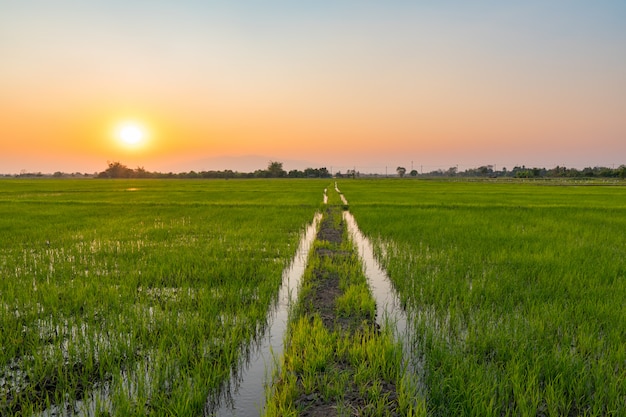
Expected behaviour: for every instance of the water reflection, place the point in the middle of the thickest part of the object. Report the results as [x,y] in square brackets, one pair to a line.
[244,393]
[389,310]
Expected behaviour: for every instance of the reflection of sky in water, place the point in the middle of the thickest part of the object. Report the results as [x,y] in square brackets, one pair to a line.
[389,309]
[244,394]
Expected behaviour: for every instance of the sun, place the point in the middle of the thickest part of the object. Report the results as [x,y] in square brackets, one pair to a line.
[131,134]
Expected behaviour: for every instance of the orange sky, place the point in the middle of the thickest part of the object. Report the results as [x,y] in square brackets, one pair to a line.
[337,84]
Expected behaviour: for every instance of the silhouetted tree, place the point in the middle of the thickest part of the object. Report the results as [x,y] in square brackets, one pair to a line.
[275,170]
[401,171]
[116,170]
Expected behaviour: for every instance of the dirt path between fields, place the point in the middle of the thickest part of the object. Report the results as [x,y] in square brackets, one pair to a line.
[322,301]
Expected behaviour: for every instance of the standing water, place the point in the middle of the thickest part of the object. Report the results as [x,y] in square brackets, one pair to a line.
[244,394]
[389,309]
[388,306]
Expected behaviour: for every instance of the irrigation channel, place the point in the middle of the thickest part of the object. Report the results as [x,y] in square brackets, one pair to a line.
[245,393]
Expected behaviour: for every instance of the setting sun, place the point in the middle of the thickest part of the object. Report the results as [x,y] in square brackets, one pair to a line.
[131,134]
[202,86]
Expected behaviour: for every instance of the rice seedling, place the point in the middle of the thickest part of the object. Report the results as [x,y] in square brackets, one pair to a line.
[516,289]
[335,357]
[136,297]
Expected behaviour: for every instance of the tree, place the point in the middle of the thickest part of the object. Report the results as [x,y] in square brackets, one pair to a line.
[401,171]
[452,171]
[116,170]
[413,173]
[275,169]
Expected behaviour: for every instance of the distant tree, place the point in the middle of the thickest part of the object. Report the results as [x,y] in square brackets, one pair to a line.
[485,170]
[413,173]
[261,173]
[588,172]
[116,170]
[401,171]
[606,172]
[140,172]
[529,173]
[316,173]
[275,170]
[452,171]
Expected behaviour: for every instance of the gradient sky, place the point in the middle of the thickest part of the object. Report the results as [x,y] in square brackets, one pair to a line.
[342,84]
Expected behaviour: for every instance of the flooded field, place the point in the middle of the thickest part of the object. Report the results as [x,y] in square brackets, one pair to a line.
[244,394]
[182,298]
[341,357]
[137,302]
[515,291]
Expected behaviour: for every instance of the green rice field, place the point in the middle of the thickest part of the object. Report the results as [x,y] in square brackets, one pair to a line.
[142,291]
[138,297]
[517,292]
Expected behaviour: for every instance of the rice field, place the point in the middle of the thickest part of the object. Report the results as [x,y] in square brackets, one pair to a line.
[516,291]
[137,297]
[338,360]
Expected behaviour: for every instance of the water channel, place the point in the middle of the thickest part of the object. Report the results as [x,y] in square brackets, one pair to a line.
[247,398]
[244,394]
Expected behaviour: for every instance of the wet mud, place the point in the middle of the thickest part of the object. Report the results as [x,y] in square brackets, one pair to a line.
[321,301]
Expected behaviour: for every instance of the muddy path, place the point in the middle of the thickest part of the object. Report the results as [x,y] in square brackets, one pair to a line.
[337,361]
[323,301]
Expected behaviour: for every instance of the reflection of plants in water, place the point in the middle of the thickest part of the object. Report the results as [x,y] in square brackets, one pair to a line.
[143,297]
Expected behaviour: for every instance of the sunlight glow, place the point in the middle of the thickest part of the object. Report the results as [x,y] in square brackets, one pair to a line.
[131,134]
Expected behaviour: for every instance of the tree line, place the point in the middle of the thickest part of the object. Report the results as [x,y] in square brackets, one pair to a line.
[274,170]
[524,172]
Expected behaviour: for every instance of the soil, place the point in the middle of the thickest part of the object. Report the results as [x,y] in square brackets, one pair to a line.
[321,300]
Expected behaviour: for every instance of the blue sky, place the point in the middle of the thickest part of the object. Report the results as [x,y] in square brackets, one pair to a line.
[320,83]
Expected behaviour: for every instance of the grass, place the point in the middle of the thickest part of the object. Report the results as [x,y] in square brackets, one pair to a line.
[516,290]
[140,293]
[336,360]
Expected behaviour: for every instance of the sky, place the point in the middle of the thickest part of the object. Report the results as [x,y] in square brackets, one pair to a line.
[341,84]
